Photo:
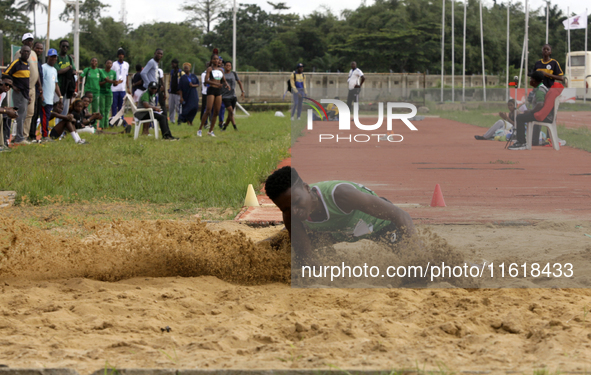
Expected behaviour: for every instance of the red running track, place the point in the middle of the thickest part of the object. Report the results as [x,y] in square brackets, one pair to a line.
[481,181]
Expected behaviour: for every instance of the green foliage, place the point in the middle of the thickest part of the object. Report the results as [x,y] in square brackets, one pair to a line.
[202,13]
[179,41]
[14,23]
[88,9]
[388,35]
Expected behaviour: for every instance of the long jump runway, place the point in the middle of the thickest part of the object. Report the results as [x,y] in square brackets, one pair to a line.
[481,181]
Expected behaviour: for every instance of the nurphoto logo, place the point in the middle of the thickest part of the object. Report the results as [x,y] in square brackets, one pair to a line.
[345,122]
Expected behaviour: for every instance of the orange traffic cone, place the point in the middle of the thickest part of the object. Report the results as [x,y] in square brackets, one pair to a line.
[437,200]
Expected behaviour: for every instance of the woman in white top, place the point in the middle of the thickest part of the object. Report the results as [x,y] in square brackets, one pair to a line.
[214,77]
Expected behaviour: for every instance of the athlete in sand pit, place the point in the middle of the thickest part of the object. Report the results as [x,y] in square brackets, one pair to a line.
[347,210]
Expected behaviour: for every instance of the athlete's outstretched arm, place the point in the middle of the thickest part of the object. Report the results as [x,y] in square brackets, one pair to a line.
[348,199]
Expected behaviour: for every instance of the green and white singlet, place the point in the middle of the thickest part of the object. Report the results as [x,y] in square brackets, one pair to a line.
[339,222]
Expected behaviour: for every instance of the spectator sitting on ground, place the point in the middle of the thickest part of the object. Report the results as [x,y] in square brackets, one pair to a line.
[332,111]
[5,112]
[88,104]
[506,123]
[91,117]
[68,122]
[536,103]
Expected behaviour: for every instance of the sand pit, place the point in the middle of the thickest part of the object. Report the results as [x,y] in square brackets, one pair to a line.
[56,312]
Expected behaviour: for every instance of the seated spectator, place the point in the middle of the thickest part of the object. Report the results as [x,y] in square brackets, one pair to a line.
[84,120]
[148,100]
[506,123]
[5,113]
[332,111]
[536,102]
[86,103]
[70,122]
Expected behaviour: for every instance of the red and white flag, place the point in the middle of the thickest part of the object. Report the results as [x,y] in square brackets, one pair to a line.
[576,22]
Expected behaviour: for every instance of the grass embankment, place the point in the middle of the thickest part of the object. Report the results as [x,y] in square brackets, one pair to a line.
[191,173]
[486,117]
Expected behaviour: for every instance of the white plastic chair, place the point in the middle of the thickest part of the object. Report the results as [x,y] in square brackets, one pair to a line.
[551,127]
[138,123]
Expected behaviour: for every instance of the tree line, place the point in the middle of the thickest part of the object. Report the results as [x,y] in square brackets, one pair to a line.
[386,36]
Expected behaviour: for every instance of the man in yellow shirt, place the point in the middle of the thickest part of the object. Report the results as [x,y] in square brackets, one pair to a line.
[18,71]
[298,90]
[33,82]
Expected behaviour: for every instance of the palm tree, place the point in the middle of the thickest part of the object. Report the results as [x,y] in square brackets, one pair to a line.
[29,6]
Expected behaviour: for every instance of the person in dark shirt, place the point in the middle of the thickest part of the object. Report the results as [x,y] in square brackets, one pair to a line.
[549,66]
[70,122]
[137,83]
[174,98]
[148,100]
[6,113]
[66,73]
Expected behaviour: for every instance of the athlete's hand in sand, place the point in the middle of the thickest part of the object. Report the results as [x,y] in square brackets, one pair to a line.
[277,241]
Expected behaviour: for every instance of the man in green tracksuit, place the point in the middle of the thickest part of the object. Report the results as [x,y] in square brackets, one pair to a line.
[347,210]
[106,95]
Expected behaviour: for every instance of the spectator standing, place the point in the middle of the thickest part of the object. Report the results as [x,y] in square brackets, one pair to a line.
[106,95]
[298,90]
[355,81]
[223,106]
[229,98]
[550,67]
[189,95]
[51,91]
[20,73]
[174,97]
[121,67]
[214,76]
[38,49]
[34,83]
[66,75]
[150,71]
[137,85]
[94,76]
[204,87]
[162,92]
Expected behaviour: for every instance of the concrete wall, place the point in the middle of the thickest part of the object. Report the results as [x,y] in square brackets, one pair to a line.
[272,85]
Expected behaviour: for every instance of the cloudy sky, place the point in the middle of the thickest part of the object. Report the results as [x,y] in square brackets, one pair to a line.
[143,11]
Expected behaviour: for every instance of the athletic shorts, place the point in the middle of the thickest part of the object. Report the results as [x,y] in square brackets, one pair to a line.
[230,102]
[215,91]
